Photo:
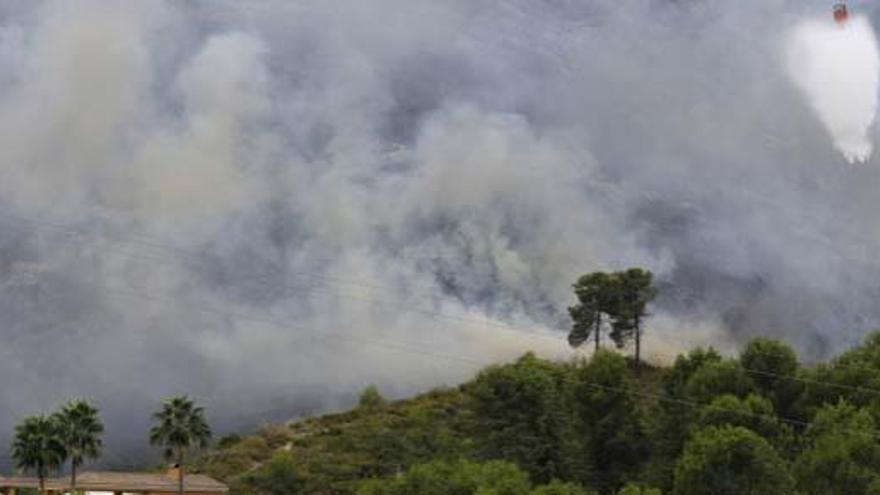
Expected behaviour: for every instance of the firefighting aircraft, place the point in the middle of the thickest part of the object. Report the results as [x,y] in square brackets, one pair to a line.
[841,13]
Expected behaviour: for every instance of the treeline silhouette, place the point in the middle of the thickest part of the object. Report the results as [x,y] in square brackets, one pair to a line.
[757,423]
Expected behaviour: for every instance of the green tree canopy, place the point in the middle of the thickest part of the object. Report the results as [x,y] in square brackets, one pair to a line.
[854,376]
[753,412]
[560,488]
[731,460]
[686,365]
[596,295]
[80,430]
[37,447]
[770,360]
[843,456]
[465,477]
[632,290]
[773,367]
[616,442]
[621,298]
[371,398]
[671,420]
[525,416]
[180,426]
[460,477]
[276,477]
[719,378]
[632,489]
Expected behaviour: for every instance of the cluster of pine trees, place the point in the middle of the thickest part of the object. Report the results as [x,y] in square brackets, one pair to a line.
[618,298]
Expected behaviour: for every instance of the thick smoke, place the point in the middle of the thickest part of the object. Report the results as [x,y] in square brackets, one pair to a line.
[269,205]
[838,68]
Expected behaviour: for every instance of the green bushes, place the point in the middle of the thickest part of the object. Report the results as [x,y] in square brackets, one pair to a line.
[371,399]
[524,414]
[842,455]
[731,460]
[279,476]
[463,477]
[706,425]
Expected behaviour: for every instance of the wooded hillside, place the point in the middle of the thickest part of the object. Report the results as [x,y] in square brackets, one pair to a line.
[757,423]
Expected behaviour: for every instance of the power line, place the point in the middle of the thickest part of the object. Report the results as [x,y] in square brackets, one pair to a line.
[421,351]
[326,280]
[809,381]
[752,371]
[264,278]
[853,388]
[666,337]
[329,281]
[324,335]
[697,404]
[701,405]
[460,359]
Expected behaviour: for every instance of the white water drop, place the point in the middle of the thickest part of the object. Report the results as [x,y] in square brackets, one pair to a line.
[837,69]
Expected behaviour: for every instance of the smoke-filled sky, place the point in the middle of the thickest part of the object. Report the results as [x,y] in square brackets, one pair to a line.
[270,204]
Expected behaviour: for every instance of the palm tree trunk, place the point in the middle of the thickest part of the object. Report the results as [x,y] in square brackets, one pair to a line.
[42,476]
[598,328]
[180,473]
[73,478]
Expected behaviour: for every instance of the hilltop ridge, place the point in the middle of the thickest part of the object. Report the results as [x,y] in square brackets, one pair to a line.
[589,426]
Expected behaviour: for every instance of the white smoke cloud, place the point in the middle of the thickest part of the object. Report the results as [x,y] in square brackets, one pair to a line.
[195,168]
[269,205]
[838,70]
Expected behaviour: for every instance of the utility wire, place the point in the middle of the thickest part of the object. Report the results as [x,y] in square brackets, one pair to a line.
[191,256]
[329,281]
[659,336]
[700,405]
[197,256]
[324,335]
[809,381]
[449,357]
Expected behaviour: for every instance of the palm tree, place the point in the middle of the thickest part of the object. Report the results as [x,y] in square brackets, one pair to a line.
[37,446]
[80,431]
[180,426]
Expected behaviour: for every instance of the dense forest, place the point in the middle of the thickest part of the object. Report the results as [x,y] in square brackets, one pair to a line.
[757,423]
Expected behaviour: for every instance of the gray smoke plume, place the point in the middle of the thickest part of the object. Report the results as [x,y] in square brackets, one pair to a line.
[268,205]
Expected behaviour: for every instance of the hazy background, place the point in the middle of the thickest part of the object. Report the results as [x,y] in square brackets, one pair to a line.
[270,204]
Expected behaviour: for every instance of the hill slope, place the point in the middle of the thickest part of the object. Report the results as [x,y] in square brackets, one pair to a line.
[597,425]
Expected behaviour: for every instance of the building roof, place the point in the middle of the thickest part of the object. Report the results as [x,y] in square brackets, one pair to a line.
[98,480]
[27,482]
[123,481]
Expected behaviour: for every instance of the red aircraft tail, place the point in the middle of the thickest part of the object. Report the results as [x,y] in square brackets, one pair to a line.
[841,14]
